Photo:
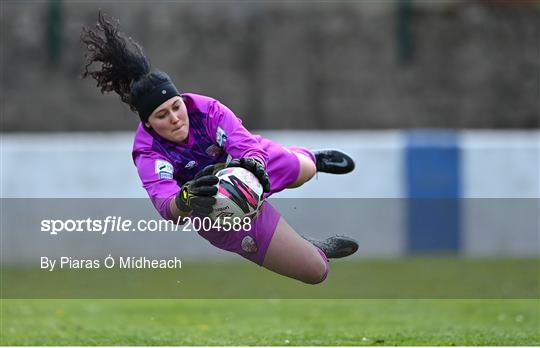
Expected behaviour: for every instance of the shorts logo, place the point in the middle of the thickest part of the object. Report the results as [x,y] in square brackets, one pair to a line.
[164,169]
[191,164]
[249,245]
[213,150]
[221,137]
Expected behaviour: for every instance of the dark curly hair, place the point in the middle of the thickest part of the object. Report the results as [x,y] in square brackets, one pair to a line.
[124,68]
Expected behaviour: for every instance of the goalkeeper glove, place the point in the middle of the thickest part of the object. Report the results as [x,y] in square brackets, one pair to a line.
[254,166]
[198,194]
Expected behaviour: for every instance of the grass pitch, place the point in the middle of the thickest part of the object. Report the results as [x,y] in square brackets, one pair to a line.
[319,318]
[270,322]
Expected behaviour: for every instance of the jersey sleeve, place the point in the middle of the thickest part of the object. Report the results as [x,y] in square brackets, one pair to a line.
[229,133]
[156,174]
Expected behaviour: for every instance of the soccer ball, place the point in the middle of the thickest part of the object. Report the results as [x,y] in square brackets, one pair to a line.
[240,195]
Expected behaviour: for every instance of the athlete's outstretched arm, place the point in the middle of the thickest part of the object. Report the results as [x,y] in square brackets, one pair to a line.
[231,135]
[156,174]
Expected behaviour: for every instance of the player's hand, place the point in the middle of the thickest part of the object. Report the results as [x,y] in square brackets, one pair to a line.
[254,166]
[198,194]
[211,169]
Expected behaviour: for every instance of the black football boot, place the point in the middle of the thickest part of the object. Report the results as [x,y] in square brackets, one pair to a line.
[333,162]
[335,247]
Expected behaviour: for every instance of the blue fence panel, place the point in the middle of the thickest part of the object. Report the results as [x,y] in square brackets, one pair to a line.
[433,191]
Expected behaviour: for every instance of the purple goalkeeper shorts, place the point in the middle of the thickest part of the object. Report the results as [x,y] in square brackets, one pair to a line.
[283,168]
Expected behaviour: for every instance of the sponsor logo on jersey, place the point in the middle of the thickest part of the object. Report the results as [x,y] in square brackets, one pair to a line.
[221,137]
[164,169]
[249,245]
[213,150]
[191,164]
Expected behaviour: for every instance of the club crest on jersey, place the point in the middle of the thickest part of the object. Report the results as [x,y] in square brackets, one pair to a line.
[221,137]
[249,245]
[213,150]
[164,169]
[191,165]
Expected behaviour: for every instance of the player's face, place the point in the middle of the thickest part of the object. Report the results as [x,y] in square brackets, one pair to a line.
[170,120]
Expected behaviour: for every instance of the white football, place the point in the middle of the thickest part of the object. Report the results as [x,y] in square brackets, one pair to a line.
[240,194]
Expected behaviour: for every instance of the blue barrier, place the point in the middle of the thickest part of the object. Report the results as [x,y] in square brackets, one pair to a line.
[433,182]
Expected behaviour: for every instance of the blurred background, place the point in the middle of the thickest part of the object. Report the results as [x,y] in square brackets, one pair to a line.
[287,65]
[435,100]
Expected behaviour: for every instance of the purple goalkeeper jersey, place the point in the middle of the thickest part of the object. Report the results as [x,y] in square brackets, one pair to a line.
[214,133]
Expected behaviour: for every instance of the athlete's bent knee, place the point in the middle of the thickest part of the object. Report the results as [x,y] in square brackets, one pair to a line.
[317,273]
[307,171]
